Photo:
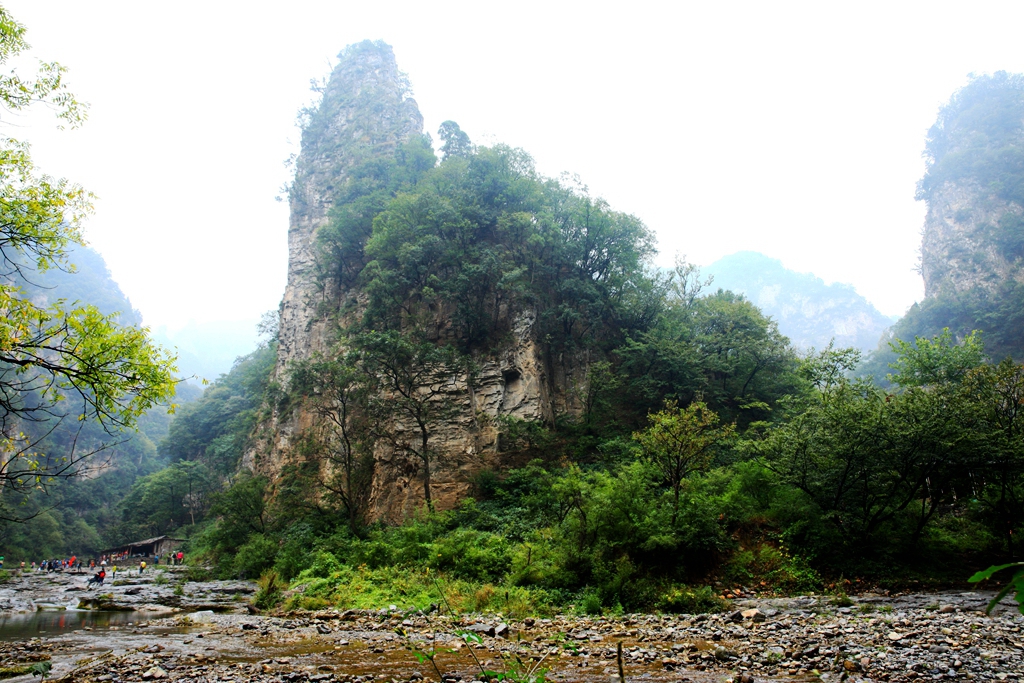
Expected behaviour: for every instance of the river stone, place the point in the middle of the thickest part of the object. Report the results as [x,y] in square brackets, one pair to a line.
[155,672]
[485,629]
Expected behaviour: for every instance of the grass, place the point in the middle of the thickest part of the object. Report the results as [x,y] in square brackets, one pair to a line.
[12,670]
[360,587]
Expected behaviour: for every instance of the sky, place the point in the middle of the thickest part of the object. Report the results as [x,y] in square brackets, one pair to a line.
[791,129]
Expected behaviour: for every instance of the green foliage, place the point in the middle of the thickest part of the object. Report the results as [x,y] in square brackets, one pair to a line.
[681,441]
[688,600]
[483,235]
[997,314]
[937,361]
[268,595]
[216,428]
[168,499]
[1016,584]
[254,557]
[41,669]
[976,138]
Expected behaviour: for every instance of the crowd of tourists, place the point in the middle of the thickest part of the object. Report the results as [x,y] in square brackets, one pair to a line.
[111,560]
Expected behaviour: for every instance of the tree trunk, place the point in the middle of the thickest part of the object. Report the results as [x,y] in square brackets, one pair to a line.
[425,455]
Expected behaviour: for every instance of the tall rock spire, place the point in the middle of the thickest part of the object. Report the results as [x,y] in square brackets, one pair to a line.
[365,111]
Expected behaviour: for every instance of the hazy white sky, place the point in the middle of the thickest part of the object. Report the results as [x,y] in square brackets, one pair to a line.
[791,129]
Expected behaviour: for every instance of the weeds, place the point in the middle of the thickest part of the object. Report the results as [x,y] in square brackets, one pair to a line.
[269,594]
[41,669]
[198,574]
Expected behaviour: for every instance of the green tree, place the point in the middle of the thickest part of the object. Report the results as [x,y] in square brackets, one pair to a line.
[682,441]
[455,142]
[335,391]
[868,457]
[414,388]
[58,362]
[170,498]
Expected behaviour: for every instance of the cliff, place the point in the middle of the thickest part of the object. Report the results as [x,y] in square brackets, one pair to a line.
[973,238]
[365,111]
[361,147]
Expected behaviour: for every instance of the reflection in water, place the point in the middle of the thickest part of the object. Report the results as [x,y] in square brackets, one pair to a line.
[51,623]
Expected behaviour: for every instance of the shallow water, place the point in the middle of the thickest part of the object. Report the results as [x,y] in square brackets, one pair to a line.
[46,623]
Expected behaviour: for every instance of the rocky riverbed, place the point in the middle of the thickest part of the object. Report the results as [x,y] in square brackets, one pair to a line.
[878,637]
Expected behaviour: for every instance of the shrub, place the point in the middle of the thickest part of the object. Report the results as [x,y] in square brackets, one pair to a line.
[269,593]
[198,574]
[590,603]
[687,600]
[254,557]
[473,555]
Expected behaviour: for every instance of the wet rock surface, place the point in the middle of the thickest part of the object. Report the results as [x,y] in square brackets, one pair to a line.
[943,636]
[158,589]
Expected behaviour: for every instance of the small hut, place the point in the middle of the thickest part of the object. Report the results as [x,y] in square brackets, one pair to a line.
[160,545]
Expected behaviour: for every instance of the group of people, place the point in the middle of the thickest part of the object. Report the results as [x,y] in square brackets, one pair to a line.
[58,565]
[74,564]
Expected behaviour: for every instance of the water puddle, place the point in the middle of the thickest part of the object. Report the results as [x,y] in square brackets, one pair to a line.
[47,623]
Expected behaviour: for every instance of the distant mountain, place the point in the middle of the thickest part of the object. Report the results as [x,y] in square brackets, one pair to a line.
[208,350]
[89,283]
[807,310]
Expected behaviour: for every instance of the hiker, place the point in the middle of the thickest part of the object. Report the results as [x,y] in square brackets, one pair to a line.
[97,578]
[114,570]
[142,566]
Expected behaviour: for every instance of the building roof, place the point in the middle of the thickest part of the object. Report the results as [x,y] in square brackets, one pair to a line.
[148,541]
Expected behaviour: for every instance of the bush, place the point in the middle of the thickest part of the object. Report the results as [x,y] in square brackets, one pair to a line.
[773,568]
[473,555]
[269,593]
[590,603]
[687,600]
[254,557]
[293,555]
[198,574]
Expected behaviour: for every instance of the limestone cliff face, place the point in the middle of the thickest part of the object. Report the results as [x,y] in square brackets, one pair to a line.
[366,111]
[336,136]
[958,251]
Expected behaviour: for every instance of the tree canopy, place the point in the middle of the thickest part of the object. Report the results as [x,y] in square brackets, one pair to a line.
[65,361]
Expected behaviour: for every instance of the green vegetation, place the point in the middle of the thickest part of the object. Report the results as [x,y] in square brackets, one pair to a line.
[977,138]
[975,283]
[688,446]
[76,379]
[702,449]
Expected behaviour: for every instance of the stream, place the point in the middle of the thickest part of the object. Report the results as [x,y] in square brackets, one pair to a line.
[161,627]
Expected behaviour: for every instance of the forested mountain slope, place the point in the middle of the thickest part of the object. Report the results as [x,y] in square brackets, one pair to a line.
[479,375]
[973,240]
[81,514]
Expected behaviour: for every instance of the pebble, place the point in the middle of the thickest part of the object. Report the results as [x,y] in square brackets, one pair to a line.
[899,639]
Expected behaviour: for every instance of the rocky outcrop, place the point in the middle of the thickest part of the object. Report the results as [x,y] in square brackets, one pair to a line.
[366,112]
[365,109]
[959,248]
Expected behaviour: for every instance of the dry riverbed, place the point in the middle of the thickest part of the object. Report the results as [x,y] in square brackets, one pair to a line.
[880,638]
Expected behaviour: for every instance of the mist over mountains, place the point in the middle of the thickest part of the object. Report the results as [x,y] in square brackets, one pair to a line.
[807,310]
